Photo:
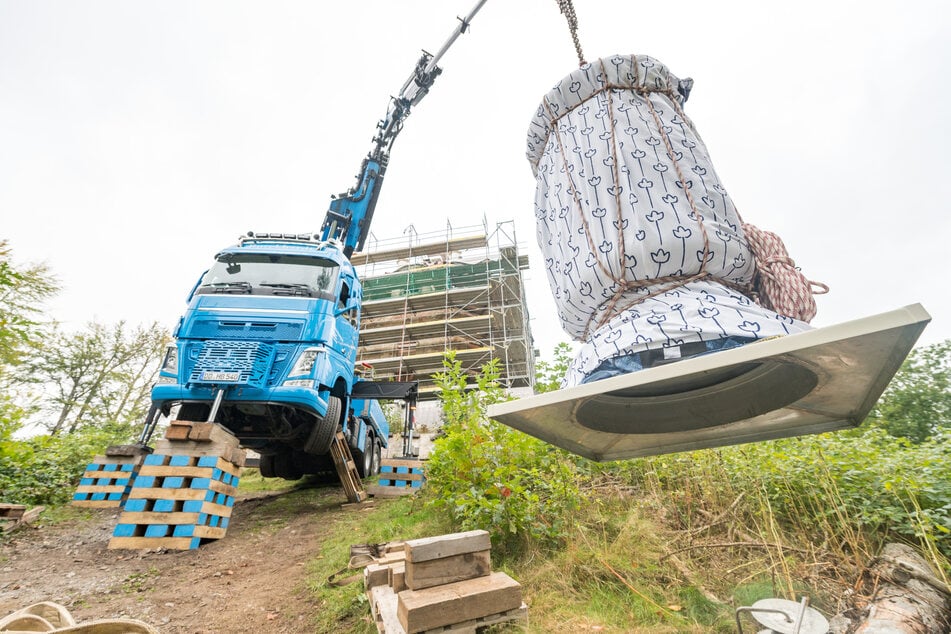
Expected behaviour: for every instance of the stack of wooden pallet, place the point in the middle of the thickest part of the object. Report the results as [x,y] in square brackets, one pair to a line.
[441,584]
[184,492]
[399,476]
[108,478]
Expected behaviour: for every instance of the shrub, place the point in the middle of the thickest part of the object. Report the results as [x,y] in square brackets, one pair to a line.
[485,475]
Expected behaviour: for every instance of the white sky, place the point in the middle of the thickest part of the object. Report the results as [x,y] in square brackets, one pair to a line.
[138,138]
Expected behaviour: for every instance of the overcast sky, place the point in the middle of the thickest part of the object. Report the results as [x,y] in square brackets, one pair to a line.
[138,138]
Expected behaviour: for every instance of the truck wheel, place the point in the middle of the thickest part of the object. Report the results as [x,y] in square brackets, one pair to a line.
[322,435]
[364,458]
[377,458]
[285,467]
[266,466]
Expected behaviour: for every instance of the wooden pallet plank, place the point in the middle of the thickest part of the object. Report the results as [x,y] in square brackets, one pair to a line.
[153,517]
[346,469]
[472,626]
[12,511]
[140,543]
[437,572]
[439,606]
[427,548]
[396,462]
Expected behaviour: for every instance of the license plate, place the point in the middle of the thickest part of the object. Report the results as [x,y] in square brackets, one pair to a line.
[208,375]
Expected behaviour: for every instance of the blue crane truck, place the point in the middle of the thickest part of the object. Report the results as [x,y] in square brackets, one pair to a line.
[267,346]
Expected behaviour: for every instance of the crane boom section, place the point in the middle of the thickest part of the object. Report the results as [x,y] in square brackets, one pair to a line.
[348,218]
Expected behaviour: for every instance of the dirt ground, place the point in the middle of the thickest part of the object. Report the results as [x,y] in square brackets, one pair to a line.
[253,580]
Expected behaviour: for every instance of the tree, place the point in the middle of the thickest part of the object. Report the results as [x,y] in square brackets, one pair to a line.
[99,376]
[23,288]
[22,291]
[549,374]
[918,400]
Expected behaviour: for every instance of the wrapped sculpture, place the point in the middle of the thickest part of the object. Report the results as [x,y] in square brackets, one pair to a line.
[646,254]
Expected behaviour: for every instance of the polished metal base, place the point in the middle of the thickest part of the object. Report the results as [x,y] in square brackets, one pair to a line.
[808,383]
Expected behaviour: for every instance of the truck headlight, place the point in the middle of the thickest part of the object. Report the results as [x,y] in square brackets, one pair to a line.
[305,362]
[170,363]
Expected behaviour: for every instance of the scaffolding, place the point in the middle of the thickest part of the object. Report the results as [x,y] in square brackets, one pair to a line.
[459,289]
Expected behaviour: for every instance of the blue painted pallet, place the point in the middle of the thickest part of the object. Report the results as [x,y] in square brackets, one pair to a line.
[402,473]
[106,481]
[177,502]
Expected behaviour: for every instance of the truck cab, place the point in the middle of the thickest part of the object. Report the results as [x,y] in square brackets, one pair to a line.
[267,347]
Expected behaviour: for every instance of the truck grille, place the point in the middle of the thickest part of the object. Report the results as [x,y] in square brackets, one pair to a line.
[225,329]
[250,359]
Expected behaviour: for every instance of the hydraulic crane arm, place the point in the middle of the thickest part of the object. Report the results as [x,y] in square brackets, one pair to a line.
[349,216]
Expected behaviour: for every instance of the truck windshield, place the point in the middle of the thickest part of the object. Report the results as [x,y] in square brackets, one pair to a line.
[270,274]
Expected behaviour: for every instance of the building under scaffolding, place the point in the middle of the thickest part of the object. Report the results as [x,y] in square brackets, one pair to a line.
[459,289]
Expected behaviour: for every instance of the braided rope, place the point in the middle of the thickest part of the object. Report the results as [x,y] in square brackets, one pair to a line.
[781,287]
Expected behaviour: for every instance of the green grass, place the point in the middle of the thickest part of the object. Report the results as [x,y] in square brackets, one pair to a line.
[345,608]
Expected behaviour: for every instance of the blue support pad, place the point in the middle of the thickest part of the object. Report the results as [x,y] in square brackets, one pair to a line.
[164,506]
[180,461]
[156,530]
[124,530]
[173,482]
[208,461]
[124,482]
[114,496]
[155,459]
[192,506]
[87,481]
[98,496]
[201,483]
[184,530]
[110,467]
[145,482]
[135,505]
[79,497]
[127,467]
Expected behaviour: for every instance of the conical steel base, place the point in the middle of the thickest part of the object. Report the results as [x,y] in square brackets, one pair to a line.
[808,383]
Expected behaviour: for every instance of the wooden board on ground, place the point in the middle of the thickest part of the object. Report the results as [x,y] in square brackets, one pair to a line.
[437,572]
[378,491]
[427,548]
[422,610]
[12,511]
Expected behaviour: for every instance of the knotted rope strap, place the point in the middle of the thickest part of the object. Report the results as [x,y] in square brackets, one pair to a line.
[781,287]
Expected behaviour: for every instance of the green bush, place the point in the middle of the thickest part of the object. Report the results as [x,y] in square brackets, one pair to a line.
[46,469]
[485,475]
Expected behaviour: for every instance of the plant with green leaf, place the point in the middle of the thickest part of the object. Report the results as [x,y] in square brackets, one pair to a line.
[489,476]
[917,403]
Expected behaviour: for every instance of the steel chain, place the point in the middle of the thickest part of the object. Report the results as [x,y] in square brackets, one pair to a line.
[568,10]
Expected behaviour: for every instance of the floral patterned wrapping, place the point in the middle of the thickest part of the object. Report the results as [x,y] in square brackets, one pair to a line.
[643,247]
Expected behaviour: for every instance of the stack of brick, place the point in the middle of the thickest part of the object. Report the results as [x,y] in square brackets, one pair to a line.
[441,584]
[184,492]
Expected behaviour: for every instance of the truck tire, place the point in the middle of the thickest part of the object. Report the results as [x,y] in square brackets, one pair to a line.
[322,435]
[377,458]
[266,466]
[285,466]
[364,459]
